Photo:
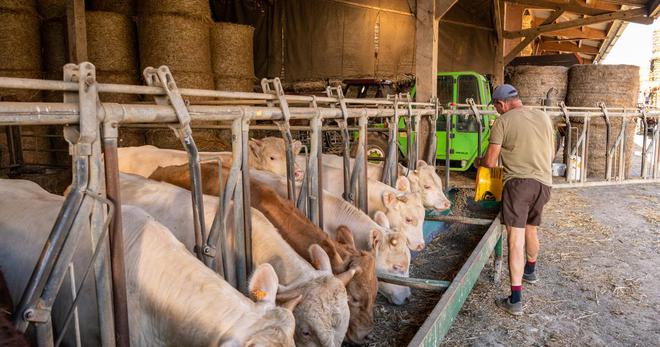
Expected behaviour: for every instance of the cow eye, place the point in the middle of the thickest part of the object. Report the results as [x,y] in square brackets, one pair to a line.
[427,187]
[272,158]
[306,333]
[354,301]
[409,220]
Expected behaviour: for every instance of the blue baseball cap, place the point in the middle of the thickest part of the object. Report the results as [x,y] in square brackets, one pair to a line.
[503,92]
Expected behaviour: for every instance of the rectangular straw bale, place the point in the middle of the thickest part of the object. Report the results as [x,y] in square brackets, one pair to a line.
[19,41]
[231,49]
[111,41]
[125,7]
[179,42]
[188,8]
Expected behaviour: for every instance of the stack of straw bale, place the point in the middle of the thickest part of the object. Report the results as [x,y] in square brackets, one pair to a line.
[616,86]
[20,56]
[177,34]
[232,55]
[51,8]
[124,7]
[533,83]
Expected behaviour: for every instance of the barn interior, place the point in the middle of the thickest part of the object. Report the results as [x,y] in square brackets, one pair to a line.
[276,63]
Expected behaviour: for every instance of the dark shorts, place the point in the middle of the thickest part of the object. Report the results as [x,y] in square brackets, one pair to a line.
[522,202]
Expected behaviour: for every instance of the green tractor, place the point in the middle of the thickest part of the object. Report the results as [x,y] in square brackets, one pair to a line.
[453,88]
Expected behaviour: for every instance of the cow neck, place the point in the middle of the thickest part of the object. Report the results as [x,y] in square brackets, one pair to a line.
[193,306]
[295,228]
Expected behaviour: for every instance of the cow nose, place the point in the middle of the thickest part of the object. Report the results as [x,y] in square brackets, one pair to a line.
[298,175]
[420,247]
[397,268]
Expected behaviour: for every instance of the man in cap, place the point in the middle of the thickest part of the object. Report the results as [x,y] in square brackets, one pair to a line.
[523,138]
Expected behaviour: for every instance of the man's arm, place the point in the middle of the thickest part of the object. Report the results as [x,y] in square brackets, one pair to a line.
[492,154]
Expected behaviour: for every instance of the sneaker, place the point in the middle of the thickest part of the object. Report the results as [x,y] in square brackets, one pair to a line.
[514,309]
[530,278]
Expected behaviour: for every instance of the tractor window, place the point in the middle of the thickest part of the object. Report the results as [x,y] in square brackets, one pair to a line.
[445,96]
[445,90]
[468,87]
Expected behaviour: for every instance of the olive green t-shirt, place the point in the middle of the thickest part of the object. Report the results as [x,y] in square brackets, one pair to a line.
[526,137]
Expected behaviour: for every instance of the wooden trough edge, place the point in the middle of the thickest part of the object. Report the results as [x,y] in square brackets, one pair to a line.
[437,324]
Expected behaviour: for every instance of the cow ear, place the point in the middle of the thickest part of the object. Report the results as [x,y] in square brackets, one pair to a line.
[263,284]
[421,164]
[403,170]
[345,236]
[291,304]
[320,259]
[389,200]
[403,184]
[375,238]
[346,276]
[296,146]
[381,219]
[331,250]
[255,147]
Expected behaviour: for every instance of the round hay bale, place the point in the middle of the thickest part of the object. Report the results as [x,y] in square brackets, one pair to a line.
[533,82]
[194,80]
[234,84]
[19,5]
[125,7]
[188,8]
[110,41]
[117,78]
[51,8]
[231,49]
[53,38]
[181,43]
[206,139]
[19,42]
[20,94]
[616,86]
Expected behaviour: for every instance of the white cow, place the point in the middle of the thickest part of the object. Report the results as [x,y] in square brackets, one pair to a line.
[389,246]
[172,298]
[322,316]
[266,154]
[403,209]
[424,180]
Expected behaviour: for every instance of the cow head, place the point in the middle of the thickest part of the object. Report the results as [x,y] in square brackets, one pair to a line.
[406,214]
[392,257]
[269,154]
[426,181]
[323,314]
[275,326]
[362,289]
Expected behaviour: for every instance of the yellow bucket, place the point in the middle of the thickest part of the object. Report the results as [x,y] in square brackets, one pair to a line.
[489,184]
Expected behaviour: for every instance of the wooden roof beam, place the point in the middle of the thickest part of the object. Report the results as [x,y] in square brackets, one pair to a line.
[571,6]
[529,39]
[625,15]
[577,33]
[568,47]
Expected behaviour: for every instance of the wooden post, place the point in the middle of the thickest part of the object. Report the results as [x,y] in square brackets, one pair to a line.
[77,31]
[429,13]
[498,74]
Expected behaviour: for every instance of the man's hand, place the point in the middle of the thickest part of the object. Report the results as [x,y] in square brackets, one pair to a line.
[490,159]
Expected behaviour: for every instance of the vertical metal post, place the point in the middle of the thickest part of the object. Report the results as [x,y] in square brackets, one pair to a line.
[656,141]
[285,129]
[390,166]
[362,170]
[162,77]
[411,141]
[585,150]
[432,141]
[336,92]
[645,129]
[608,134]
[480,127]
[315,170]
[567,141]
[76,318]
[247,215]
[116,237]
[448,135]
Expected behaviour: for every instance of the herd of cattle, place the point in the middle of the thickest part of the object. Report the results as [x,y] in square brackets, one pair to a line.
[310,286]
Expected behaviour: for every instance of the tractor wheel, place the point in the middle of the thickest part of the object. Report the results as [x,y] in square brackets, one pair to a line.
[376,146]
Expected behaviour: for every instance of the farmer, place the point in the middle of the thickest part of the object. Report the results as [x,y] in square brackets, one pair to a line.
[523,137]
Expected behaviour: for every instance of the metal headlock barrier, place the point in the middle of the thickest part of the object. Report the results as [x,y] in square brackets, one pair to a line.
[91,128]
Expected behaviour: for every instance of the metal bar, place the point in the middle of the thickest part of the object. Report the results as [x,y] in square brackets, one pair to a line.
[448,133]
[645,127]
[567,141]
[119,295]
[315,188]
[392,158]
[74,296]
[431,148]
[604,183]
[418,283]
[460,219]
[437,324]
[477,117]
[608,135]
[361,160]
[247,209]
[217,233]
[343,124]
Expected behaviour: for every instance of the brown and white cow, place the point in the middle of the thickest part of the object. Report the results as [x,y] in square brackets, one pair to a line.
[424,180]
[301,233]
[172,298]
[389,246]
[266,154]
[321,316]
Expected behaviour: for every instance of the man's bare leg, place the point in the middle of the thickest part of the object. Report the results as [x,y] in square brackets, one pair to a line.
[531,243]
[516,238]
